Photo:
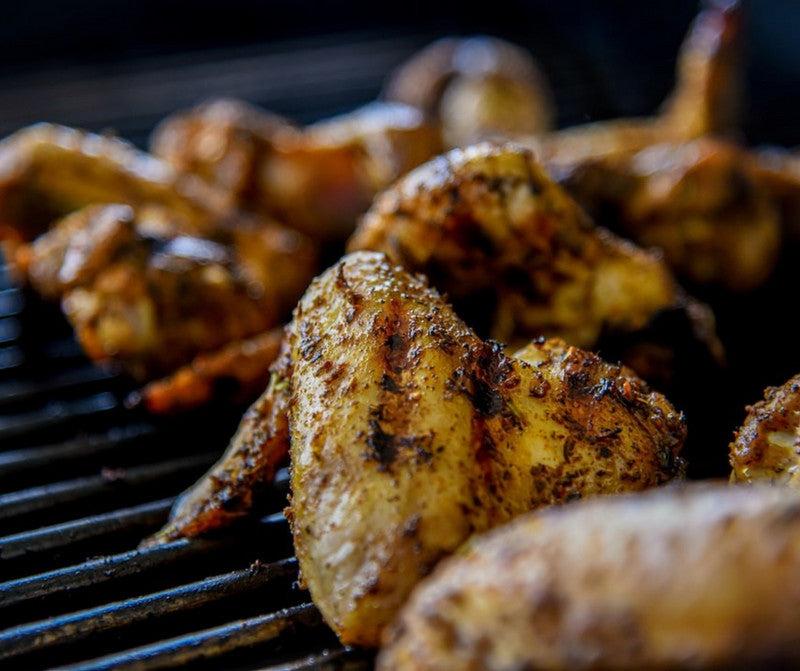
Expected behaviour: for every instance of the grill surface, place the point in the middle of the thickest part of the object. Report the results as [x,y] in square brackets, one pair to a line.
[83,478]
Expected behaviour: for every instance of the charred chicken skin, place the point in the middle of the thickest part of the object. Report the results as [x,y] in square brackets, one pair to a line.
[702,576]
[144,295]
[518,257]
[408,434]
[317,179]
[767,445]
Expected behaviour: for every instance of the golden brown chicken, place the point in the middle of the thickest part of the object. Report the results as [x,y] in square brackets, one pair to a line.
[702,576]
[475,88]
[48,171]
[514,252]
[767,445]
[143,295]
[702,202]
[408,434]
[317,179]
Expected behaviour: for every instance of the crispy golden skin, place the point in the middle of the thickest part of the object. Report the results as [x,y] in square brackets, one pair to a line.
[48,171]
[317,179]
[702,576]
[409,433]
[143,295]
[494,232]
[767,445]
[476,88]
[702,202]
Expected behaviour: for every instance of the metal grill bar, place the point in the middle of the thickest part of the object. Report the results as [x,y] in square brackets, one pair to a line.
[48,496]
[86,377]
[328,660]
[11,301]
[33,458]
[97,571]
[208,644]
[147,515]
[56,414]
[75,626]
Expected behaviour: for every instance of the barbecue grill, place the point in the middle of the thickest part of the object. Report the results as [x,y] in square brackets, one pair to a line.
[83,477]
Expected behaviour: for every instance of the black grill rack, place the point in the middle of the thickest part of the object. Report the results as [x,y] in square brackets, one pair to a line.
[83,478]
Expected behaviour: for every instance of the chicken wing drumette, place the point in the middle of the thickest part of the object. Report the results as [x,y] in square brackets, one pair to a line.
[317,179]
[408,433]
[144,295]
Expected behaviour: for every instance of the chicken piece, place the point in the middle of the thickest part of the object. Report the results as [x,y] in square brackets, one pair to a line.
[489,228]
[701,202]
[707,99]
[476,88]
[408,433]
[144,296]
[238,372]
[778,170]
[317,179]
[767,445]
[701,576]
[48,171]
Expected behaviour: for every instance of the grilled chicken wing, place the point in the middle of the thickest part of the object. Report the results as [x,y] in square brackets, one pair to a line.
[767,445]
[408,433]
[48,171]
[145,296]
[703,576]
[317,179]
[701,202]
[513,251]
[476,89]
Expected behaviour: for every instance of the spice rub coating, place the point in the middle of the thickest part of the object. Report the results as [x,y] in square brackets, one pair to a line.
[702,576]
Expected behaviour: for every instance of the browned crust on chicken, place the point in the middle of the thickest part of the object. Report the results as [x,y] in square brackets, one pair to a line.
[487,223]
[698,577]
[767,445]
[701,202]
[317,179]
[237,373]
[143,295]
[409,434]
[48,171]
[232,487]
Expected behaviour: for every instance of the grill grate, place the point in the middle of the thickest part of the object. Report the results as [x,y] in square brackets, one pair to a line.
[82,480]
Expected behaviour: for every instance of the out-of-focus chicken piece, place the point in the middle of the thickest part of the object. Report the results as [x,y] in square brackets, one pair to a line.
[48,171]
[409,433]
[701,202]
[709,93]
[146,297]
[476,88]
[238,372]
[767,445]
[701,576]
[778,170]
[706,100]
[487,223]
[317,179]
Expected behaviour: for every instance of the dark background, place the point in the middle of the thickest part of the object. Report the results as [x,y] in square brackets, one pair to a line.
[97,64]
